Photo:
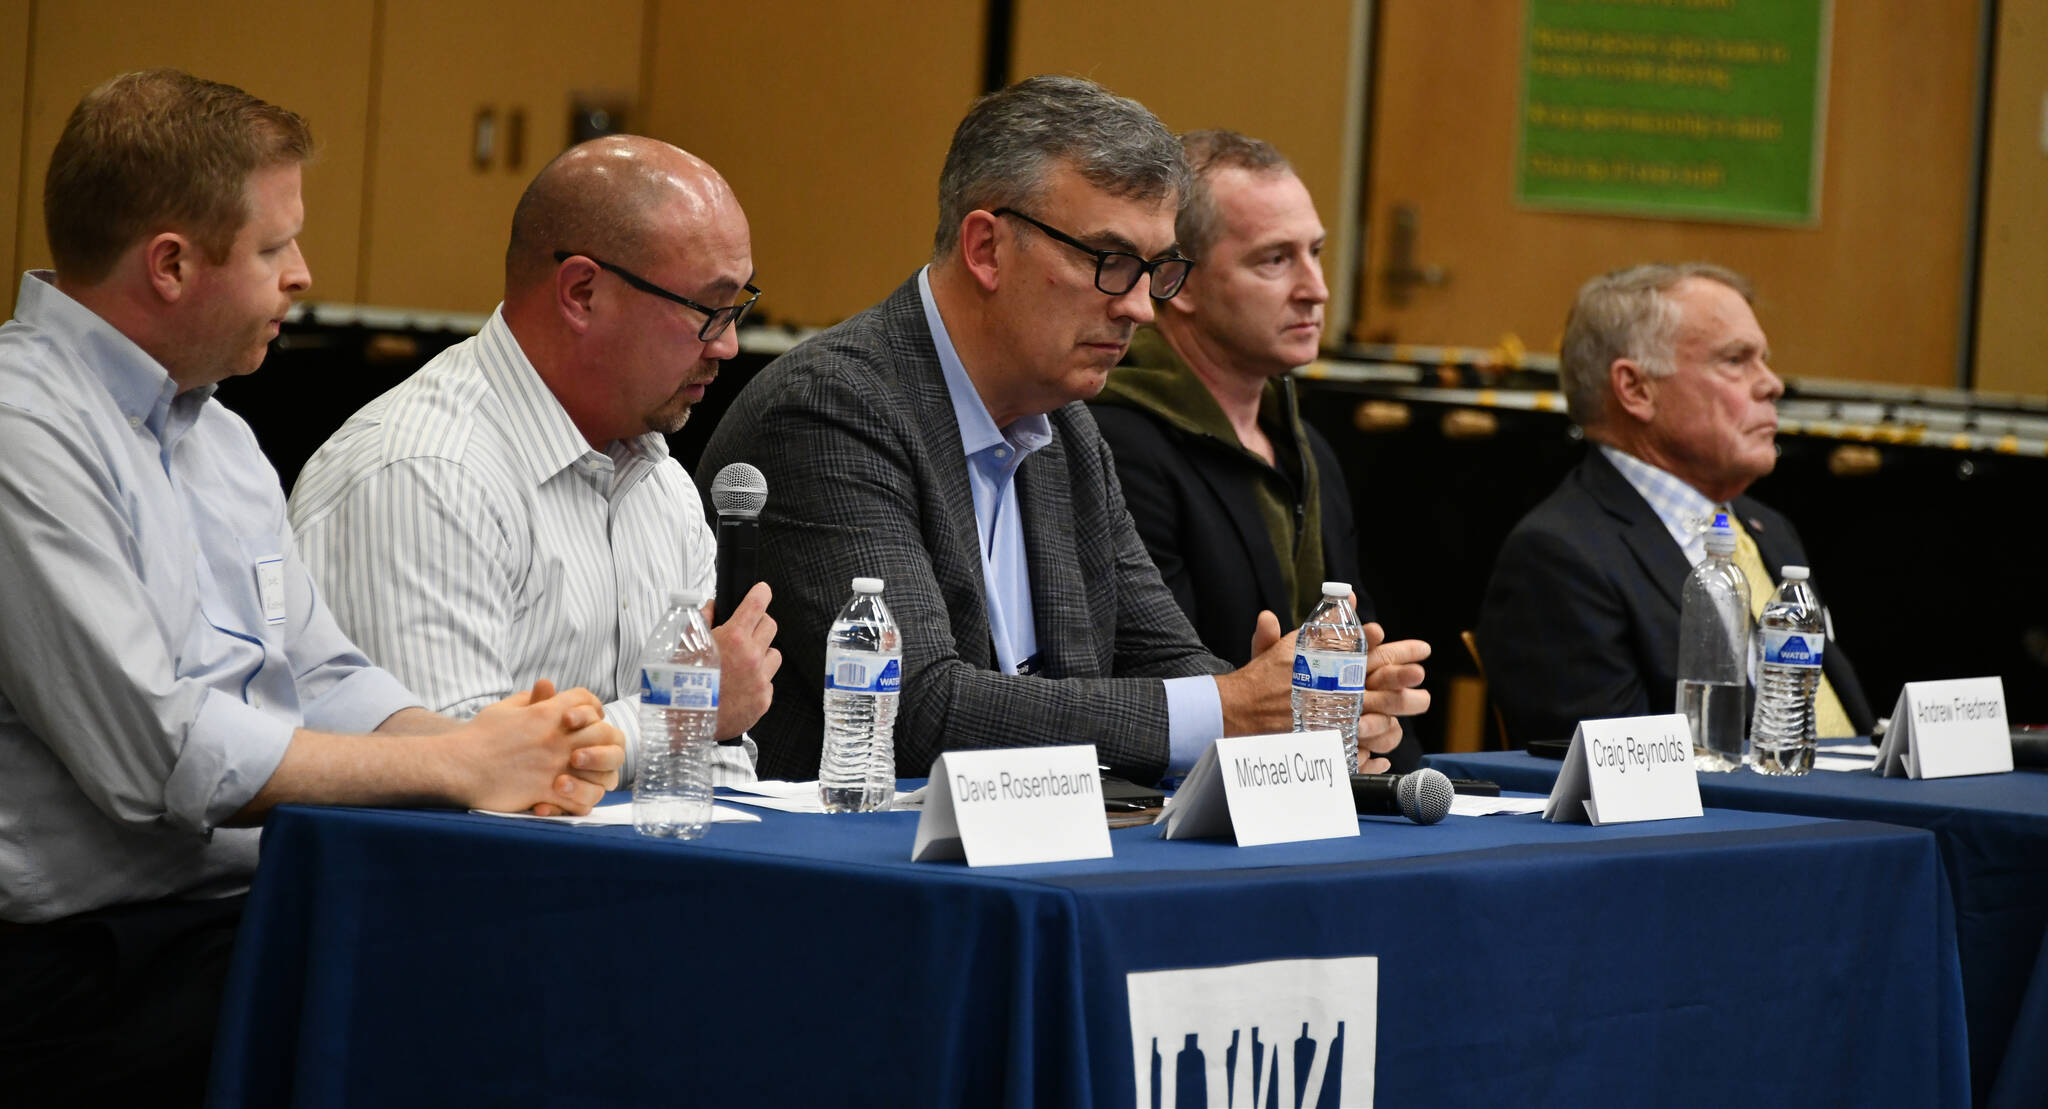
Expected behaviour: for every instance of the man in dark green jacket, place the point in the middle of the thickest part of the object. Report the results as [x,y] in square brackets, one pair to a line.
[1242,505]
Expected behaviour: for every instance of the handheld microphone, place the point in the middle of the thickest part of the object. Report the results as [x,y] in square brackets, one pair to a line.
[1423,796]
[738,493]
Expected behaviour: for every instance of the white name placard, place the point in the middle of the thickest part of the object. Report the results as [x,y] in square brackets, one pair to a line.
[1626,769]
[1946,730]
[1013,805]
[1266,789]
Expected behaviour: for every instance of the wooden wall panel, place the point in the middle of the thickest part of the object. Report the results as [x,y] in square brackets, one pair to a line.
[313,59]
[436,223]
[15,187]
[830,118]
[1873,293]
[2012,318]
[1213,63]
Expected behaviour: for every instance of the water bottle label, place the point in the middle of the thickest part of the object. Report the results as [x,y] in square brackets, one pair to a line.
[863,672]
[1329,671]
[1790,648]
[679,687]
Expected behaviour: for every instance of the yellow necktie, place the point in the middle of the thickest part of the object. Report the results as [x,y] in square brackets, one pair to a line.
[1828,718]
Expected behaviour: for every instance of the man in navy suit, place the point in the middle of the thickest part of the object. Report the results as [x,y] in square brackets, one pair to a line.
[937,441]
[1668,372]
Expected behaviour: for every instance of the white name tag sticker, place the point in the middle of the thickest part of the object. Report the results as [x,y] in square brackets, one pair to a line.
[1014,805]
[1266,789]
[1946,730]
[1627,769]
[270,589]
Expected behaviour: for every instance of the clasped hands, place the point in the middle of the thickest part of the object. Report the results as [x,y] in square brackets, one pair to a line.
[1258,696]
[547,751]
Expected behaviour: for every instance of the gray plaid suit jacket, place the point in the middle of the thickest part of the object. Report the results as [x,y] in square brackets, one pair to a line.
[854,431]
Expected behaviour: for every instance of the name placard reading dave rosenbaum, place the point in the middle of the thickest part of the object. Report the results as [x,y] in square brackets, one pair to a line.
[1014,805]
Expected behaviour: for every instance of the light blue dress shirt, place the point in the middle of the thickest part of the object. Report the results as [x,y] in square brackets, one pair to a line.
[159,638]
[1685,512]
[1194,709]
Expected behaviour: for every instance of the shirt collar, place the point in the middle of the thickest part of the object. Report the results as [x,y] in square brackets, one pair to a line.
[1685,512]
[544,439]
[140,386]
[978,431]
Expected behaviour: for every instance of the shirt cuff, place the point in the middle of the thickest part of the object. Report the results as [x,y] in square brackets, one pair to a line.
[358,703]
[731,763]
[230,751]
[1194,719]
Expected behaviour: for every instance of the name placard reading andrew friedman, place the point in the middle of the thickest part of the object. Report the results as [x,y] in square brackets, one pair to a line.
[1015,805]
[1946,729]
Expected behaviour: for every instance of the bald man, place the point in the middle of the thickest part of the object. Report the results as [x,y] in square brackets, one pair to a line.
[511,510]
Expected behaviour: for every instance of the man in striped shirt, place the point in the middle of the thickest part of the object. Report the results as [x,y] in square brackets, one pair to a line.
[511,510]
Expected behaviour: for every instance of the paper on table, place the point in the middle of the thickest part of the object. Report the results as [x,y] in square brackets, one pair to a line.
[1466,805]
[623,814]
[1842,763]
[789,796]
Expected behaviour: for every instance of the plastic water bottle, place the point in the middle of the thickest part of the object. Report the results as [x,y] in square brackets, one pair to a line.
[678,720]
[1792,634]
[1329,669]
[1713,653]
[863,680]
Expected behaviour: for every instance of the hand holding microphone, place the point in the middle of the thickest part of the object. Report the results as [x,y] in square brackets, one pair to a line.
[738,493]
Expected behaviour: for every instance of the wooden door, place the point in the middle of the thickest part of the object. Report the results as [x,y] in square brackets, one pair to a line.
[437,215]
[313,59]
[830,119]
[1872,292]
[14,184]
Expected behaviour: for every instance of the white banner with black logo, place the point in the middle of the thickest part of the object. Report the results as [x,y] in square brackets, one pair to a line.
[1296,1033]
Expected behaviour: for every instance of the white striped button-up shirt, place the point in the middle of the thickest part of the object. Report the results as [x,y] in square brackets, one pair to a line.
[471,541]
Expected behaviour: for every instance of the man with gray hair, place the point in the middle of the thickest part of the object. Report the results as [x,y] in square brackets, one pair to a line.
[1667,370]
[937,441]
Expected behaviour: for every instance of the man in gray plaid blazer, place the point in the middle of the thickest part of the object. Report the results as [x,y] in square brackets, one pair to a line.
[937,441]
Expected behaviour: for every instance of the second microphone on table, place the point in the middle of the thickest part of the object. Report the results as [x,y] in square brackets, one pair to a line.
[1423,796]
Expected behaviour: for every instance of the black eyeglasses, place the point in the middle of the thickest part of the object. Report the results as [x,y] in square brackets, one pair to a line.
[1117,271]
[716,320]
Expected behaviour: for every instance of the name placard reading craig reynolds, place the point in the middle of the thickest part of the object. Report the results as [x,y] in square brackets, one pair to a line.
[1625,769]
[1016,805]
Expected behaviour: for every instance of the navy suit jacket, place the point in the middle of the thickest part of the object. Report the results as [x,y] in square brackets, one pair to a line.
[1580,619]
[855,433]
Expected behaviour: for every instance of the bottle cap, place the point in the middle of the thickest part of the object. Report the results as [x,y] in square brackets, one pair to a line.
[867,585]
[694,598]
[1795,573]
[1336,589]
[1720,535]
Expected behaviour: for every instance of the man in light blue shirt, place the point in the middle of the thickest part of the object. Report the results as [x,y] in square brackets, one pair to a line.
[168,673]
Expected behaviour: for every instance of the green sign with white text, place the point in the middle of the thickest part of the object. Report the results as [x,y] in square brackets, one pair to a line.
[1699,109]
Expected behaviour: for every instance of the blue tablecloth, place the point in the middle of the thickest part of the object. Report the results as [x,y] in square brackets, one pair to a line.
[1993,832]
[445,959]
